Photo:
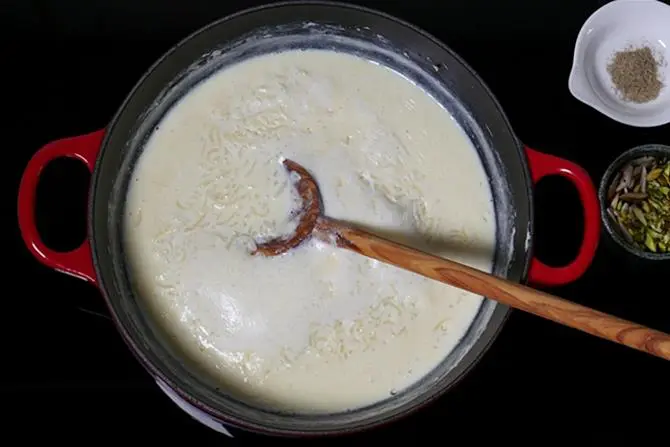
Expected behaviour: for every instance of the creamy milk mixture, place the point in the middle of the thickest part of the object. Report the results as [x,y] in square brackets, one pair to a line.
[318,329]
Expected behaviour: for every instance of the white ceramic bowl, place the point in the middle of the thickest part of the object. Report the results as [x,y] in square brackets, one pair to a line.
[616,26]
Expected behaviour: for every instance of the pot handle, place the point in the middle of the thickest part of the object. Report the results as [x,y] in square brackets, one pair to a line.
[542,165]
[78,262]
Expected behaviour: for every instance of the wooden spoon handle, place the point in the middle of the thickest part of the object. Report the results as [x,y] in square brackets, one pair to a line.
[512,294]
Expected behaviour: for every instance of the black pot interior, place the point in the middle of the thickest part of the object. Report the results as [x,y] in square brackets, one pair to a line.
[302,25]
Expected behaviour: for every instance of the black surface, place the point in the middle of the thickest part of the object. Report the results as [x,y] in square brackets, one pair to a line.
[67,375]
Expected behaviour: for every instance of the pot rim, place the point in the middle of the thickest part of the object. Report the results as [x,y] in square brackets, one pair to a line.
[498,317]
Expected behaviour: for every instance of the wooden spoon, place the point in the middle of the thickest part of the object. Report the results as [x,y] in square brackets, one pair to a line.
[314,223]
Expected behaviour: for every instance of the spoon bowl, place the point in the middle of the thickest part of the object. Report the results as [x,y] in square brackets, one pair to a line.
[617,26]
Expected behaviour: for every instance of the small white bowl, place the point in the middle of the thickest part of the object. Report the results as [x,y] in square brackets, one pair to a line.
[614,27]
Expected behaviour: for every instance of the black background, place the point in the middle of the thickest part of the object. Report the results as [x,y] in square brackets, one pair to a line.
[66,374]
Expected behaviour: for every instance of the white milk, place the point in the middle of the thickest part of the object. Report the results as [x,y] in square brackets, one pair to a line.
[319,329]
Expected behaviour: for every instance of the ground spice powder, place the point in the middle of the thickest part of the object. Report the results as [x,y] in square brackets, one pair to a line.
[634,73]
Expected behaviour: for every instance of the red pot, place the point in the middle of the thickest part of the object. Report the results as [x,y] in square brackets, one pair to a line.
[110,155]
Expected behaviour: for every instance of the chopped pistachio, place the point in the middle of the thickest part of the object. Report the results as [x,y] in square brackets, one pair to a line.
[640,215]
[650,243]
[653,175]
[639,204]
[615,202]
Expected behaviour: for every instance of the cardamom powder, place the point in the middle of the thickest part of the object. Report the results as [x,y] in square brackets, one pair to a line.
[635,75]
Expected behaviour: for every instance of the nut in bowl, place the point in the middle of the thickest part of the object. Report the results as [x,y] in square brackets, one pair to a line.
[635,201]
[621,64]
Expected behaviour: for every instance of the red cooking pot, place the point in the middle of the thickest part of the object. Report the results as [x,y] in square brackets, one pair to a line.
[111,153]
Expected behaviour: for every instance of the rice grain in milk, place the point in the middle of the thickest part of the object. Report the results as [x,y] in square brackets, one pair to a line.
[319,329]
